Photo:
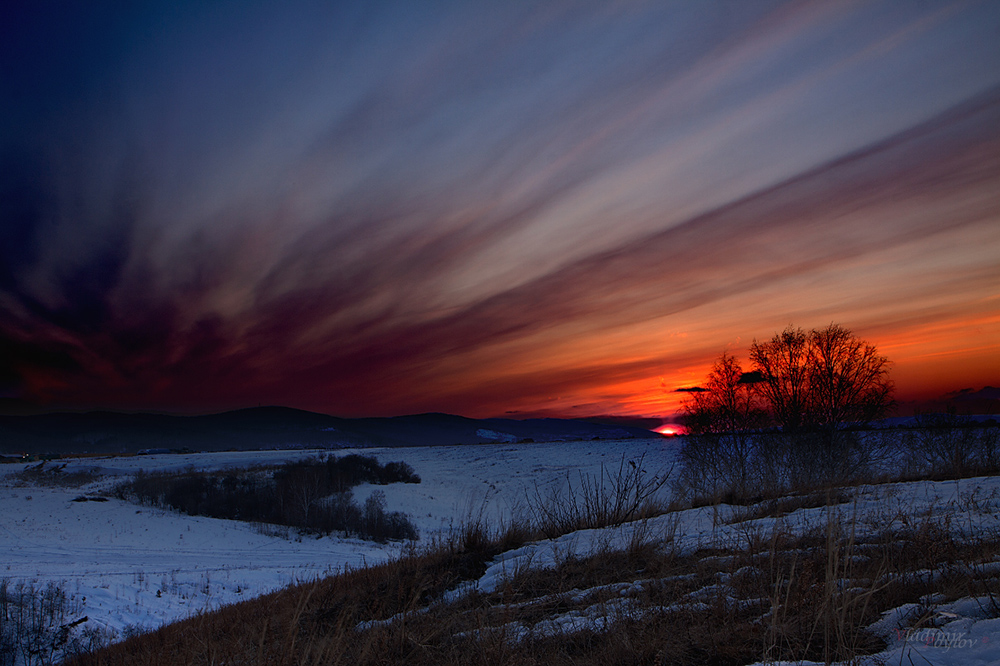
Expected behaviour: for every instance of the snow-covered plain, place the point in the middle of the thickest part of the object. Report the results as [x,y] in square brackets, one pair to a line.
[130,566]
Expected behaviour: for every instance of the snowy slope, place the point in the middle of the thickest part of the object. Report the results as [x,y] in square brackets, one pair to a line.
[142,566]
[138,566]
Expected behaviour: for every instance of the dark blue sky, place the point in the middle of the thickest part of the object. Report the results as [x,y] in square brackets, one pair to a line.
[374,208]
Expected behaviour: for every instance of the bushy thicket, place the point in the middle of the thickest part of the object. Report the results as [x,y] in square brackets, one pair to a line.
[947,446]
[737,468]
[313,495]
[743,467]
[38,625]
[610,498]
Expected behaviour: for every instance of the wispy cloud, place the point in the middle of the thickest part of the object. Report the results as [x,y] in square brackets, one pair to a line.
[379,209]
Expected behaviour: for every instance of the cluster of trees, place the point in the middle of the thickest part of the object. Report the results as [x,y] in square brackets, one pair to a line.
[821,380]
[313,495]
[790,422]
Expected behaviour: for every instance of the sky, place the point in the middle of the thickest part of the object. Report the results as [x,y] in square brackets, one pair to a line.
[499,208]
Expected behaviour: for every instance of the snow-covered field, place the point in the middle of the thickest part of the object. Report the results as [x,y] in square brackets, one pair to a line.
[133,566]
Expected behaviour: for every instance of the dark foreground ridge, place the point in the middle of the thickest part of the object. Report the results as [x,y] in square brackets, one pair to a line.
[268,427]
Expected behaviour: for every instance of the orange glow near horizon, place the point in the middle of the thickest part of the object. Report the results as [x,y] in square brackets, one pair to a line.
[567,235]
[927,361]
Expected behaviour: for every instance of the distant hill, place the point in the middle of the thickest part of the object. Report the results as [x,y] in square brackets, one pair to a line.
[966,402]
[282,427]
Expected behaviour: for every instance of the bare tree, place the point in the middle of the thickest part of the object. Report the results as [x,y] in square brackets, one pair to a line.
[722,460]
[810,384]
[822,379]
[728,403]
[848,379]
[783,365]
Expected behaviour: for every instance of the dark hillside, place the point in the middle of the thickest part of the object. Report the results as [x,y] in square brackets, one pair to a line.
[270,427]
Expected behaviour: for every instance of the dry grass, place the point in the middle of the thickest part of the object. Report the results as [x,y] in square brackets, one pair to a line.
[611,497]
[782,506]
[54,475]
[772,595]
[769,591]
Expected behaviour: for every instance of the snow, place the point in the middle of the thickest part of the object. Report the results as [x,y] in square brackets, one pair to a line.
[143,566]
[966,634]
[130,566]
[495,435]
[494,481]
[962,642]
[968,507]
[876,507]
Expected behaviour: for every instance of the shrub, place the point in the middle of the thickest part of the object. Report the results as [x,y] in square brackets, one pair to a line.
[949,447]
[313,495]
[36,625]
[608,499]
[737,468]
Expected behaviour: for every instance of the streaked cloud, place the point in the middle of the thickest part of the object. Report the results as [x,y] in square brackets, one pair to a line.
[379,209]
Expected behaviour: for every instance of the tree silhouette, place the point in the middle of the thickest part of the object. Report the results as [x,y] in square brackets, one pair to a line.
[729,402]
[811,385]
[822,380]
[724,413]
[848,379]
[783,364]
